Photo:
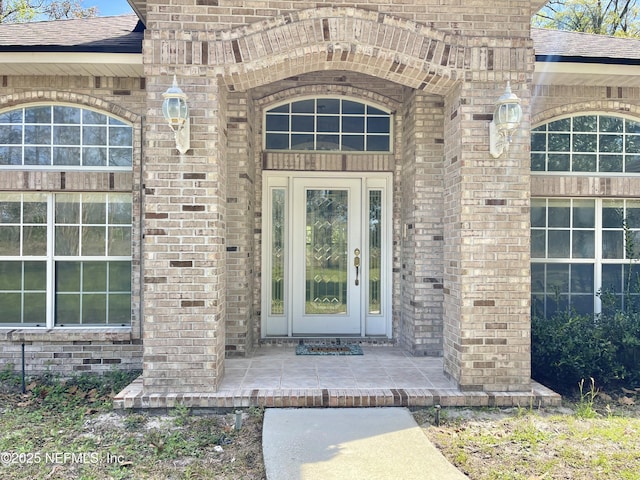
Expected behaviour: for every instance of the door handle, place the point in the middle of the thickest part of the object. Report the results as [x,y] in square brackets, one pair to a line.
[356,263]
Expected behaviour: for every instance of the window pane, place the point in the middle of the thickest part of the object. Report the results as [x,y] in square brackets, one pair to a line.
[537,277]
[538,213]
[119,309]
[559,244]
[612,244]
[302,142]
[559,142]
[66,156]
[353,143]
[583,244]
[94,276]
[35,276]
[328,142]
[557,278]
[353,124]
[12,116]
[94,135]
[559,213]
[120,157]
[538,244]
[68,276]
[93,241]
[9,208]
[538,142]
[10,155]
[585,123]
[67,240]
[582,279]
[94,210]
[94,309]
[10,134]
[378,125]
[278,228]
[611,163]
[119,241]
[277,123]
[303,106]
[328,124]
[10,276]
[34,240]
[585,143]
[11,306]
[120,136]
[538,162]
[584,214]
[37,134]
[94,157]
[612,213]
[281,109]
[611,124]
[612,279]
[584,163]
[632,144]
[277,142]
[354,108]
[66,135]
[633,214]
[632,163]
[120,277]
[37,114]
[34,211]
[9,240]
[377,143]
[300,123]
[375,251]
[328,105]
[559,162]
[67,309]
[95,118]
[611,143]
[66,114]
[35,309]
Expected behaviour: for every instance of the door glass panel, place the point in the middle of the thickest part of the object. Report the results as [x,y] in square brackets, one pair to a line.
[375,250]
[326,252]
[277,251]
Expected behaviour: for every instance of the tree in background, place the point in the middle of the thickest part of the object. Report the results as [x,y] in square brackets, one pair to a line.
[620,18]
[19,11]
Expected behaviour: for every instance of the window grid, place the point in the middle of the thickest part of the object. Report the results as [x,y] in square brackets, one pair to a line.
[587,144]
[41,288]
[582,281]
[64,136]
[327,124]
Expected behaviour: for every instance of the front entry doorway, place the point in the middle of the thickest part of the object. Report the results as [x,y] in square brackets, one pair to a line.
[326,255]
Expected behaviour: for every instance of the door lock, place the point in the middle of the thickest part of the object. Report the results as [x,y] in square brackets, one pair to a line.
[356,263]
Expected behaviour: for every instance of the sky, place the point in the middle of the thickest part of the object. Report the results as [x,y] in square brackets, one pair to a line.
[108,7]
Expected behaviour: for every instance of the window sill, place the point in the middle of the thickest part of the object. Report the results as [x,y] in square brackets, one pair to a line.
[66,335]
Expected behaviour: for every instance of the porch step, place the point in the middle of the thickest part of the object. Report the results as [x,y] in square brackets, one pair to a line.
[133,397]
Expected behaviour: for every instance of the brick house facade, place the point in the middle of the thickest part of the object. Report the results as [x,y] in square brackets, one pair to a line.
[218,234]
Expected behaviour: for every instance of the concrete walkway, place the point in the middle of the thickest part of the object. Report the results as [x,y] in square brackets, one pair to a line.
[350,443]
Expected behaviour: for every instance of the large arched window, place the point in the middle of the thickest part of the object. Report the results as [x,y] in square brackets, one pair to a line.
[584,248]
[587,143]
[62,136]
[327,124]
[65,257]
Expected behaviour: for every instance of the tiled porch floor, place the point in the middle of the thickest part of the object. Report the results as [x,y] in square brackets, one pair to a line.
[274,376]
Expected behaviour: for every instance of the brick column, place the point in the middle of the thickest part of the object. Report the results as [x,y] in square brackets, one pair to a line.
[487,265]
[184,245]
[422,237]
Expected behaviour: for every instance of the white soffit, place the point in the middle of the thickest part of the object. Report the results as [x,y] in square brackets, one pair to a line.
[587,74]
[71,64]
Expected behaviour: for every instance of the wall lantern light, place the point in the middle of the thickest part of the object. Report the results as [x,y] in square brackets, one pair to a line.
[506,118]
[176,112]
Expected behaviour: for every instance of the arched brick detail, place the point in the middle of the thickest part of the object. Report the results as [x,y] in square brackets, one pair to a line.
[598,106]
[70,98]
[312,90]
[343,38]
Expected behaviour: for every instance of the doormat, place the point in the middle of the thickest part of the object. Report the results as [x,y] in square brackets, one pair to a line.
[349,349]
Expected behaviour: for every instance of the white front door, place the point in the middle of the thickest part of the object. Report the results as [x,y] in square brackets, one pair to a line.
[326,255]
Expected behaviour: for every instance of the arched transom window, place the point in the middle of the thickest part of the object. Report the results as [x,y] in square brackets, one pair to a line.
[63,136]
[587,143]
[327,124]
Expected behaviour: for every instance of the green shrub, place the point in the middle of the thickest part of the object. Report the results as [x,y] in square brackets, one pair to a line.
[568,347]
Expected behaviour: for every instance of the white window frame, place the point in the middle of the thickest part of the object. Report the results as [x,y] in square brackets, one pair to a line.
[339,133]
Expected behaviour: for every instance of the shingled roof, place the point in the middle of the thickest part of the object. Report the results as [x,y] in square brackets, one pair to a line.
[120,34]
[578,47]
